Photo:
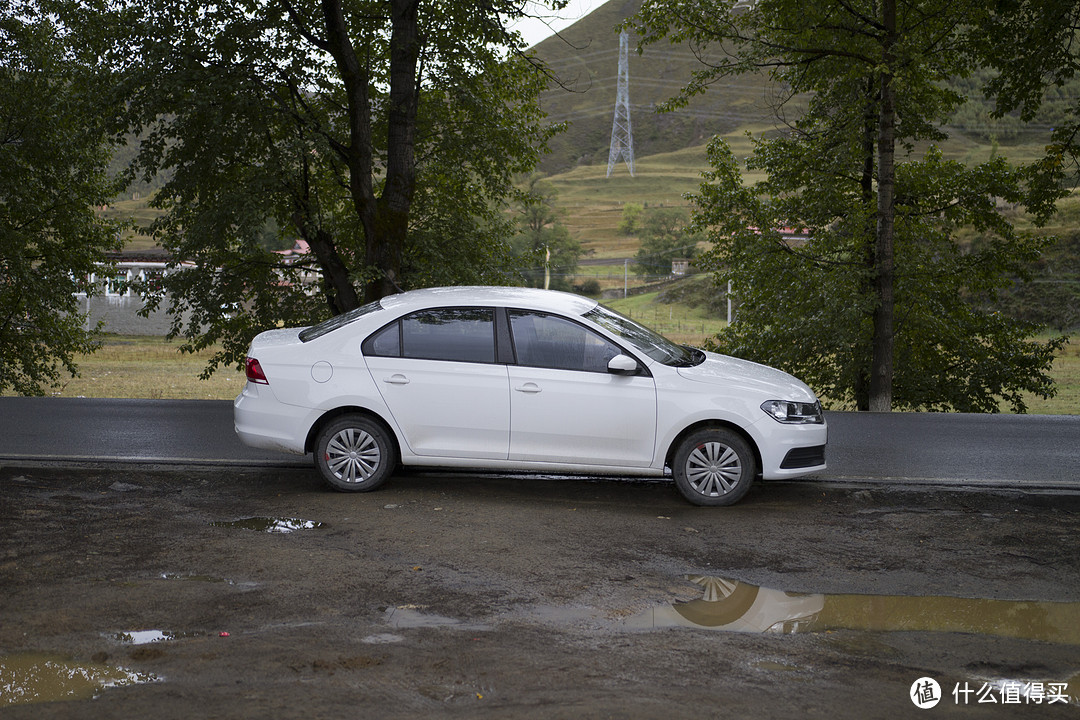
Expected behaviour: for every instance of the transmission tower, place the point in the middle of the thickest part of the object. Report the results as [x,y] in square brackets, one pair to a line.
[622,137]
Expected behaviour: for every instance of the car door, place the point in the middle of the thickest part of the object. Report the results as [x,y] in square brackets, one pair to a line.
[436,371]
[565,406]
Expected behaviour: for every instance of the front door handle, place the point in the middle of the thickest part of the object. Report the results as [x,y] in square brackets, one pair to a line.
[528,388]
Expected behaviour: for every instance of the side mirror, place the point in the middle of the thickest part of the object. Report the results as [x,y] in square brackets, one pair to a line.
[622,365]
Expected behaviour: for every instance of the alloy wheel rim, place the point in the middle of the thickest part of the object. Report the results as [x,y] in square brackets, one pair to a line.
[352,455]
[713,469]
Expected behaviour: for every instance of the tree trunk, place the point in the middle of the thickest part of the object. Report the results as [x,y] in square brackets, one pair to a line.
[881,367]
[340,293]
[338,288]
[358,153]
[392,226]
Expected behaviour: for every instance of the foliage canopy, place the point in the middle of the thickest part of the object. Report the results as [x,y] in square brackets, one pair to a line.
[54,150]
[385,134]
[874,302]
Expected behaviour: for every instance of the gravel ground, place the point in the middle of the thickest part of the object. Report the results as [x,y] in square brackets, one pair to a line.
[174,593]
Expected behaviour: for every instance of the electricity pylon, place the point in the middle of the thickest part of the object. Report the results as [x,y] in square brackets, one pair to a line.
[622,137]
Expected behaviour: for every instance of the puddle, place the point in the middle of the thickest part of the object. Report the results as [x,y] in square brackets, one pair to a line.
[196,578]
[382,639]
[733,606]
[773,666]
[146,637]
[33,678]
[271,525]
[410,616]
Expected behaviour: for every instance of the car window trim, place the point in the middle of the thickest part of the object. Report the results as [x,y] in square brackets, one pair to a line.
[505,352]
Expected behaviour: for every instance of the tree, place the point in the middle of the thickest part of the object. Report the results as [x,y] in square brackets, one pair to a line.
[384,133]
[545,250]
[874,307]
[1039,42]
[666,235]
[630,222]
[54,151]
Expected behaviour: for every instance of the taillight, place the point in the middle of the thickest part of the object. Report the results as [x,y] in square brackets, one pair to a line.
[255,372]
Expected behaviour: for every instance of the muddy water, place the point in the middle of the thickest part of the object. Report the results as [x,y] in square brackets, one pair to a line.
[31,678]
[740,607]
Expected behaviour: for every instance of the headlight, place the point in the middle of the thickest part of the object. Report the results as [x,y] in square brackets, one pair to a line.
[797,413]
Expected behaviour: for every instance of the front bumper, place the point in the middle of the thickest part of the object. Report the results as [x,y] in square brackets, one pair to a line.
[789,451]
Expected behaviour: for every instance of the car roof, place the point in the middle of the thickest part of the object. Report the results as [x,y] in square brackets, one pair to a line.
[525,298]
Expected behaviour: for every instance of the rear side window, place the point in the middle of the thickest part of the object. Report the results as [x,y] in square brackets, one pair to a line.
[452,334]
[386,342]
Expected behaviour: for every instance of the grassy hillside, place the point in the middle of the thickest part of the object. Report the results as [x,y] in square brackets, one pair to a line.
[585,58]
[593,202]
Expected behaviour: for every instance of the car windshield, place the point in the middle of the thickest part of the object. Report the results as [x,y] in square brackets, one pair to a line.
[653,344]
[326,326]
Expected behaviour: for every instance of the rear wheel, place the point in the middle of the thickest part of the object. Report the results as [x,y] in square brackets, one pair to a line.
[713,466]
[354,454]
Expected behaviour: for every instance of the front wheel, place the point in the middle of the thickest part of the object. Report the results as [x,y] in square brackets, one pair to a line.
[714,466]
[354,454]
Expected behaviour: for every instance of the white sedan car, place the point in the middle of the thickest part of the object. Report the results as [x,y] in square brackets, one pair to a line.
[522,380]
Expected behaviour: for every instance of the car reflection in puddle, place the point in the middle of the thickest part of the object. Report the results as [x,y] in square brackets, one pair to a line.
[734,606]
[33,678]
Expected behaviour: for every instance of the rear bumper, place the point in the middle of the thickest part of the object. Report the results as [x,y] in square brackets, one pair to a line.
[262,422]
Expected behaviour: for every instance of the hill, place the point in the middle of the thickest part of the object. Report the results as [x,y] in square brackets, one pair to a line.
[585,58]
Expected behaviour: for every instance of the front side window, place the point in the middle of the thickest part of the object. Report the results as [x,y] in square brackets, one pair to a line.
[455,334]
[549,341]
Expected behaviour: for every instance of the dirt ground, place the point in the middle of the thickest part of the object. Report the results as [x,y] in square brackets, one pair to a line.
[167,592]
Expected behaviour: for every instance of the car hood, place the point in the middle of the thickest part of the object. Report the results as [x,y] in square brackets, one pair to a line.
[733,373]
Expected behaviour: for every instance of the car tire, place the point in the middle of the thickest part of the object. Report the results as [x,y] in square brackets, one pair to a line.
[713,467]
[355,454]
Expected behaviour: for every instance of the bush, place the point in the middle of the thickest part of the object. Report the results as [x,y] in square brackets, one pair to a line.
[590,287]
[1053,298]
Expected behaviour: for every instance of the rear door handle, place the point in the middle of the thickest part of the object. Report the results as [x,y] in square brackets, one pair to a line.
[396,379]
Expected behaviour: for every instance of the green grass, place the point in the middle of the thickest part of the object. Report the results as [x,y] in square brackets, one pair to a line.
[1066,374]
[681,323]
[594,202]
[147,367]
[136,210]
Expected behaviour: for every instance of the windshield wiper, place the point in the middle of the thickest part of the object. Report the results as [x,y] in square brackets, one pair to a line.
[696,357]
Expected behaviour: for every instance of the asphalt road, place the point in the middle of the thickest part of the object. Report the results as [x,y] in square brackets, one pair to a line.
[1036,451]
